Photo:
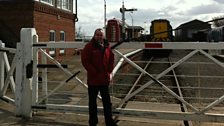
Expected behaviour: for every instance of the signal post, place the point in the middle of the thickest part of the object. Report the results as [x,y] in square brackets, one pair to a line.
[123,10]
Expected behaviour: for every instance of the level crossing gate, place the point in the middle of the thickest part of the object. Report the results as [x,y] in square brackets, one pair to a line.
[25,84]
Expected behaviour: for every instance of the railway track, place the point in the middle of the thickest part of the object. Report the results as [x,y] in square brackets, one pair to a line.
[153,93]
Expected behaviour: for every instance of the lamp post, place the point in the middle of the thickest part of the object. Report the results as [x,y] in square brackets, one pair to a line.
[146,31]
[105,18]
[132,26]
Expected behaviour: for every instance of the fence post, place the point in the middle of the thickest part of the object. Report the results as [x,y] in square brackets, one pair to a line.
[35,72]
[24,73]
[44,77]
[2,70]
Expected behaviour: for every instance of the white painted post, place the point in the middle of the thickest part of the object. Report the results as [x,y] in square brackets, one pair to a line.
[19,77]
[2,70]
[35,72]
[44,77]
[24,71]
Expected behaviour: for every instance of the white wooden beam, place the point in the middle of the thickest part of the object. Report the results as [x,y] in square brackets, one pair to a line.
[10,71]
[2,70]
[138,45]
[149,114]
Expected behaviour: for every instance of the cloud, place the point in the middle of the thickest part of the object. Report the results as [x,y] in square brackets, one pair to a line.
[147,15]
[219,1]
[176,11]
[205,9]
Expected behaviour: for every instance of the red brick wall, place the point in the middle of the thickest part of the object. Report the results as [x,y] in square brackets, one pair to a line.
[14,17]
[43,17]
[48,18]
[46,22]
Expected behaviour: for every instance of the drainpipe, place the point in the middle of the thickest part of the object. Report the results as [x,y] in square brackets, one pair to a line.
[76,11]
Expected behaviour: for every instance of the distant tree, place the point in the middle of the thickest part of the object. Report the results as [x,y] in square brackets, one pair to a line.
[218,21]
[79,32]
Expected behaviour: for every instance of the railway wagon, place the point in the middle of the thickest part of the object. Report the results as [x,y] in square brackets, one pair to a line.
[113,31]
[160,31]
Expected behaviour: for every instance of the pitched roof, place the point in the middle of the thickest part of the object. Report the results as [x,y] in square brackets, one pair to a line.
[195,21]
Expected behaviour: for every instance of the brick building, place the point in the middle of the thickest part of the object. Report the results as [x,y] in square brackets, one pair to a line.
[54,21]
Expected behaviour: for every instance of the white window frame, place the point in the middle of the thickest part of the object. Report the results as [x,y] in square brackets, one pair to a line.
[49,2]
[65,4]
[62,39]
[52,39]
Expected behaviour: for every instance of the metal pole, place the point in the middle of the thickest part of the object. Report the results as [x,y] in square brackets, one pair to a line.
[105,18]
[132,29]
[133,35]
[2,67]
[145,31]
[123,21]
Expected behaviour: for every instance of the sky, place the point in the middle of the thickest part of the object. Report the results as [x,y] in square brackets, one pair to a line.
[91,12]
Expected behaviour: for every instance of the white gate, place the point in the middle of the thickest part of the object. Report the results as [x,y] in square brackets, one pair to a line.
[27,89]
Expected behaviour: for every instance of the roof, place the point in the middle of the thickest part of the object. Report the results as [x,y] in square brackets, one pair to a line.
[135,27]
[196,21]
[120,21]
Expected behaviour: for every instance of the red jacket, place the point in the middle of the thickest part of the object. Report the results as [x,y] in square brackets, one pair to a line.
[98,62]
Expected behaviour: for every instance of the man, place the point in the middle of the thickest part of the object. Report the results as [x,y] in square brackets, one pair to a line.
[98,60]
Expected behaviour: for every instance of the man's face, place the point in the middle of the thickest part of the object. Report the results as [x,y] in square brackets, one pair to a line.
[98,36]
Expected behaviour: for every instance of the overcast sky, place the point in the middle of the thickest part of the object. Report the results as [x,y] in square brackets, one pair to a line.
[91,12]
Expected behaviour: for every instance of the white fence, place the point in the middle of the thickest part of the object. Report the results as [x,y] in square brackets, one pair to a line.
[26,87]
[8,80]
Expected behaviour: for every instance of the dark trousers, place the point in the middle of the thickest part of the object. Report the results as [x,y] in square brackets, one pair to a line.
[104,92]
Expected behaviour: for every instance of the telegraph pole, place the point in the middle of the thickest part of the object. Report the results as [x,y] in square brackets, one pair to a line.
[105,18]
[123,21]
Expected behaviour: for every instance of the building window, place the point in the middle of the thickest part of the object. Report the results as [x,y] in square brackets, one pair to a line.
[62,39]
[52,39]
[62,36]
[65,4]
[62,4]
[50,2]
